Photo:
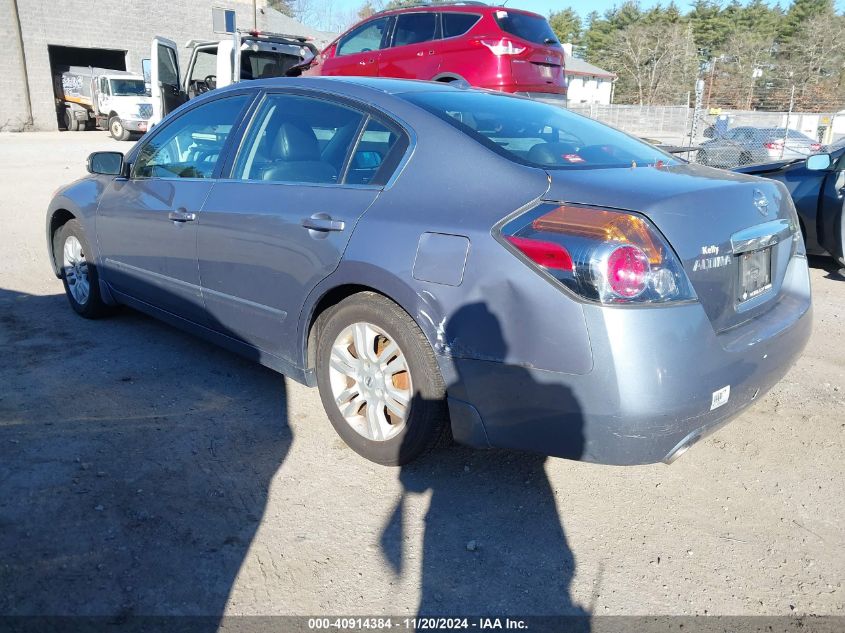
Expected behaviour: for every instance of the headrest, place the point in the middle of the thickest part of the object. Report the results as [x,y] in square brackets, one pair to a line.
[296,141]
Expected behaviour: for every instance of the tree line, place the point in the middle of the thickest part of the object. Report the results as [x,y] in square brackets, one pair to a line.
[749,56]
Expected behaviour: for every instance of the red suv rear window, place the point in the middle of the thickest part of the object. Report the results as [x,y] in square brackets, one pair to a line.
[533,28]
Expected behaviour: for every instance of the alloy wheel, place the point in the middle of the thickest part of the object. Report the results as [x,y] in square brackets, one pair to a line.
[75,269]
[370,381]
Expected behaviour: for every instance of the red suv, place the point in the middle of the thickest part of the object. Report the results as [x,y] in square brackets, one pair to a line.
[489,47]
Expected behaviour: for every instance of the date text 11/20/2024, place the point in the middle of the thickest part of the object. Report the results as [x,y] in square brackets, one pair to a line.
[416,624]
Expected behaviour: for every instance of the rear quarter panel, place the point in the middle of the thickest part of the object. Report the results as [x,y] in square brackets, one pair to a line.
[454,186]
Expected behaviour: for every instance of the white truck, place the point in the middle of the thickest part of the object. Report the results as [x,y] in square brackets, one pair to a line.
[244,56]
[111,100]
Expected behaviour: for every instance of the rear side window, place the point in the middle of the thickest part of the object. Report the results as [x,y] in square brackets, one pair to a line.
[455,24]
[414,28]
[298,139]
[367,37]
[537,134]
[533,28]
[377,155]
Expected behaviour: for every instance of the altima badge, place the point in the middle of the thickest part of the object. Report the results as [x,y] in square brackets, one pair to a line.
[761,202]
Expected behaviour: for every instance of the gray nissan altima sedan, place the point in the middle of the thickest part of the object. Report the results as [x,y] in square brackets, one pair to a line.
[446,262]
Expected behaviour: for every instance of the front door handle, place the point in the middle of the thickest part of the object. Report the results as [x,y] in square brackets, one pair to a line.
[323,223]
[180,215]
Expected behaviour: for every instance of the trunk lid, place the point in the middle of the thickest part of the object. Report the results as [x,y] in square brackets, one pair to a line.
[714,220]
[539,65]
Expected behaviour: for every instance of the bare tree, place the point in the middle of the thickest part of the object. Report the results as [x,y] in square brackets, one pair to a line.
[748,56]
[654,62]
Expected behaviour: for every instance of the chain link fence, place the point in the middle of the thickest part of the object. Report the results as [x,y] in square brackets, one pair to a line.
[726,138]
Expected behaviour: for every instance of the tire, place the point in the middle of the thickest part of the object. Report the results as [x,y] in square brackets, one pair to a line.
[116,129]
[702,158]
[423,423]
[744,159]
[89,305]
[71,123]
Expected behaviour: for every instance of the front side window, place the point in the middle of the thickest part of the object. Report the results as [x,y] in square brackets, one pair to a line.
[414,28]
[298,139]
[168,66]
[365,38]
[190,145]
[205,64]
[537,134]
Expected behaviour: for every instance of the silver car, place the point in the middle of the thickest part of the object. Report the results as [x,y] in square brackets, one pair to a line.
[750,146]
[444,262]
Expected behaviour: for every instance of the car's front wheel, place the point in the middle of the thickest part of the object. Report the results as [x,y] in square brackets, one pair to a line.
[79,275]
[379,381]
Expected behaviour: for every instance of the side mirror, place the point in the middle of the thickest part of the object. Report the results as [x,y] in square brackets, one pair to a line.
[106,163]
[818,162]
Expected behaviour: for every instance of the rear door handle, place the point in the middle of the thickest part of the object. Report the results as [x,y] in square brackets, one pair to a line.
[323,223]
[180,215]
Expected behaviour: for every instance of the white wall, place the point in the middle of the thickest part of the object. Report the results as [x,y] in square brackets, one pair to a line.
[588,89]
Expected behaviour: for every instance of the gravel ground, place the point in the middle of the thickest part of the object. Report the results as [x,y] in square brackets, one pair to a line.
[143,471]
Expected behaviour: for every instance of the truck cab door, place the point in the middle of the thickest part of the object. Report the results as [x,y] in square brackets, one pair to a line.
[101,103]
[165,85]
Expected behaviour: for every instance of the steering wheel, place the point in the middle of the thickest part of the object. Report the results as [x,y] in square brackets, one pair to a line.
[210,82]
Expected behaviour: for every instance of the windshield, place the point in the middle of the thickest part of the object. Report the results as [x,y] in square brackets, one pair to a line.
[533,28]
[128,88]
[538,134]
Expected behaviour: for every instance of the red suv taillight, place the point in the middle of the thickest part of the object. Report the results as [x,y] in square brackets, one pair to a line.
[607,256]
[503,46]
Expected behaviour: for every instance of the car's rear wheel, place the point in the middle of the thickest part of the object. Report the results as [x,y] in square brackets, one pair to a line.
[703,158]
[79,275]
[379,381]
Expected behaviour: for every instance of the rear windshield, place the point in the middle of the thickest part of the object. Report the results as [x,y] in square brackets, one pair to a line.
[529,27]
[537,134]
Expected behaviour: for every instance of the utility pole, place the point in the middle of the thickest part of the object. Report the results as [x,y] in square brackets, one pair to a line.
[788,116]
[255,14]
[712,72]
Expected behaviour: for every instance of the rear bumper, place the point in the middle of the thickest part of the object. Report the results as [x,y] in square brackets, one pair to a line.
[545,90]
[651,389]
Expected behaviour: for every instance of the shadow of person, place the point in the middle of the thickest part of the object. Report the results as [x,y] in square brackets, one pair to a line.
[135,462]
[493,543]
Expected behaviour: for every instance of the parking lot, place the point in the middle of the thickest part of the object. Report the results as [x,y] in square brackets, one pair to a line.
[143,471]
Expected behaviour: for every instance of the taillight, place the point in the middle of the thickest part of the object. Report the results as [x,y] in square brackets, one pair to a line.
[503,46]
[607,256]
[773,145]
[815,147]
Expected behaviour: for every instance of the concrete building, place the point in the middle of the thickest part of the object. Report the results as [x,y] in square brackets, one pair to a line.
[110,34]
[587,83]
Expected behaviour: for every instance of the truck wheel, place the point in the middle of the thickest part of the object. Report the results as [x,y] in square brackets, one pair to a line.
[118,132]
[70,121]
